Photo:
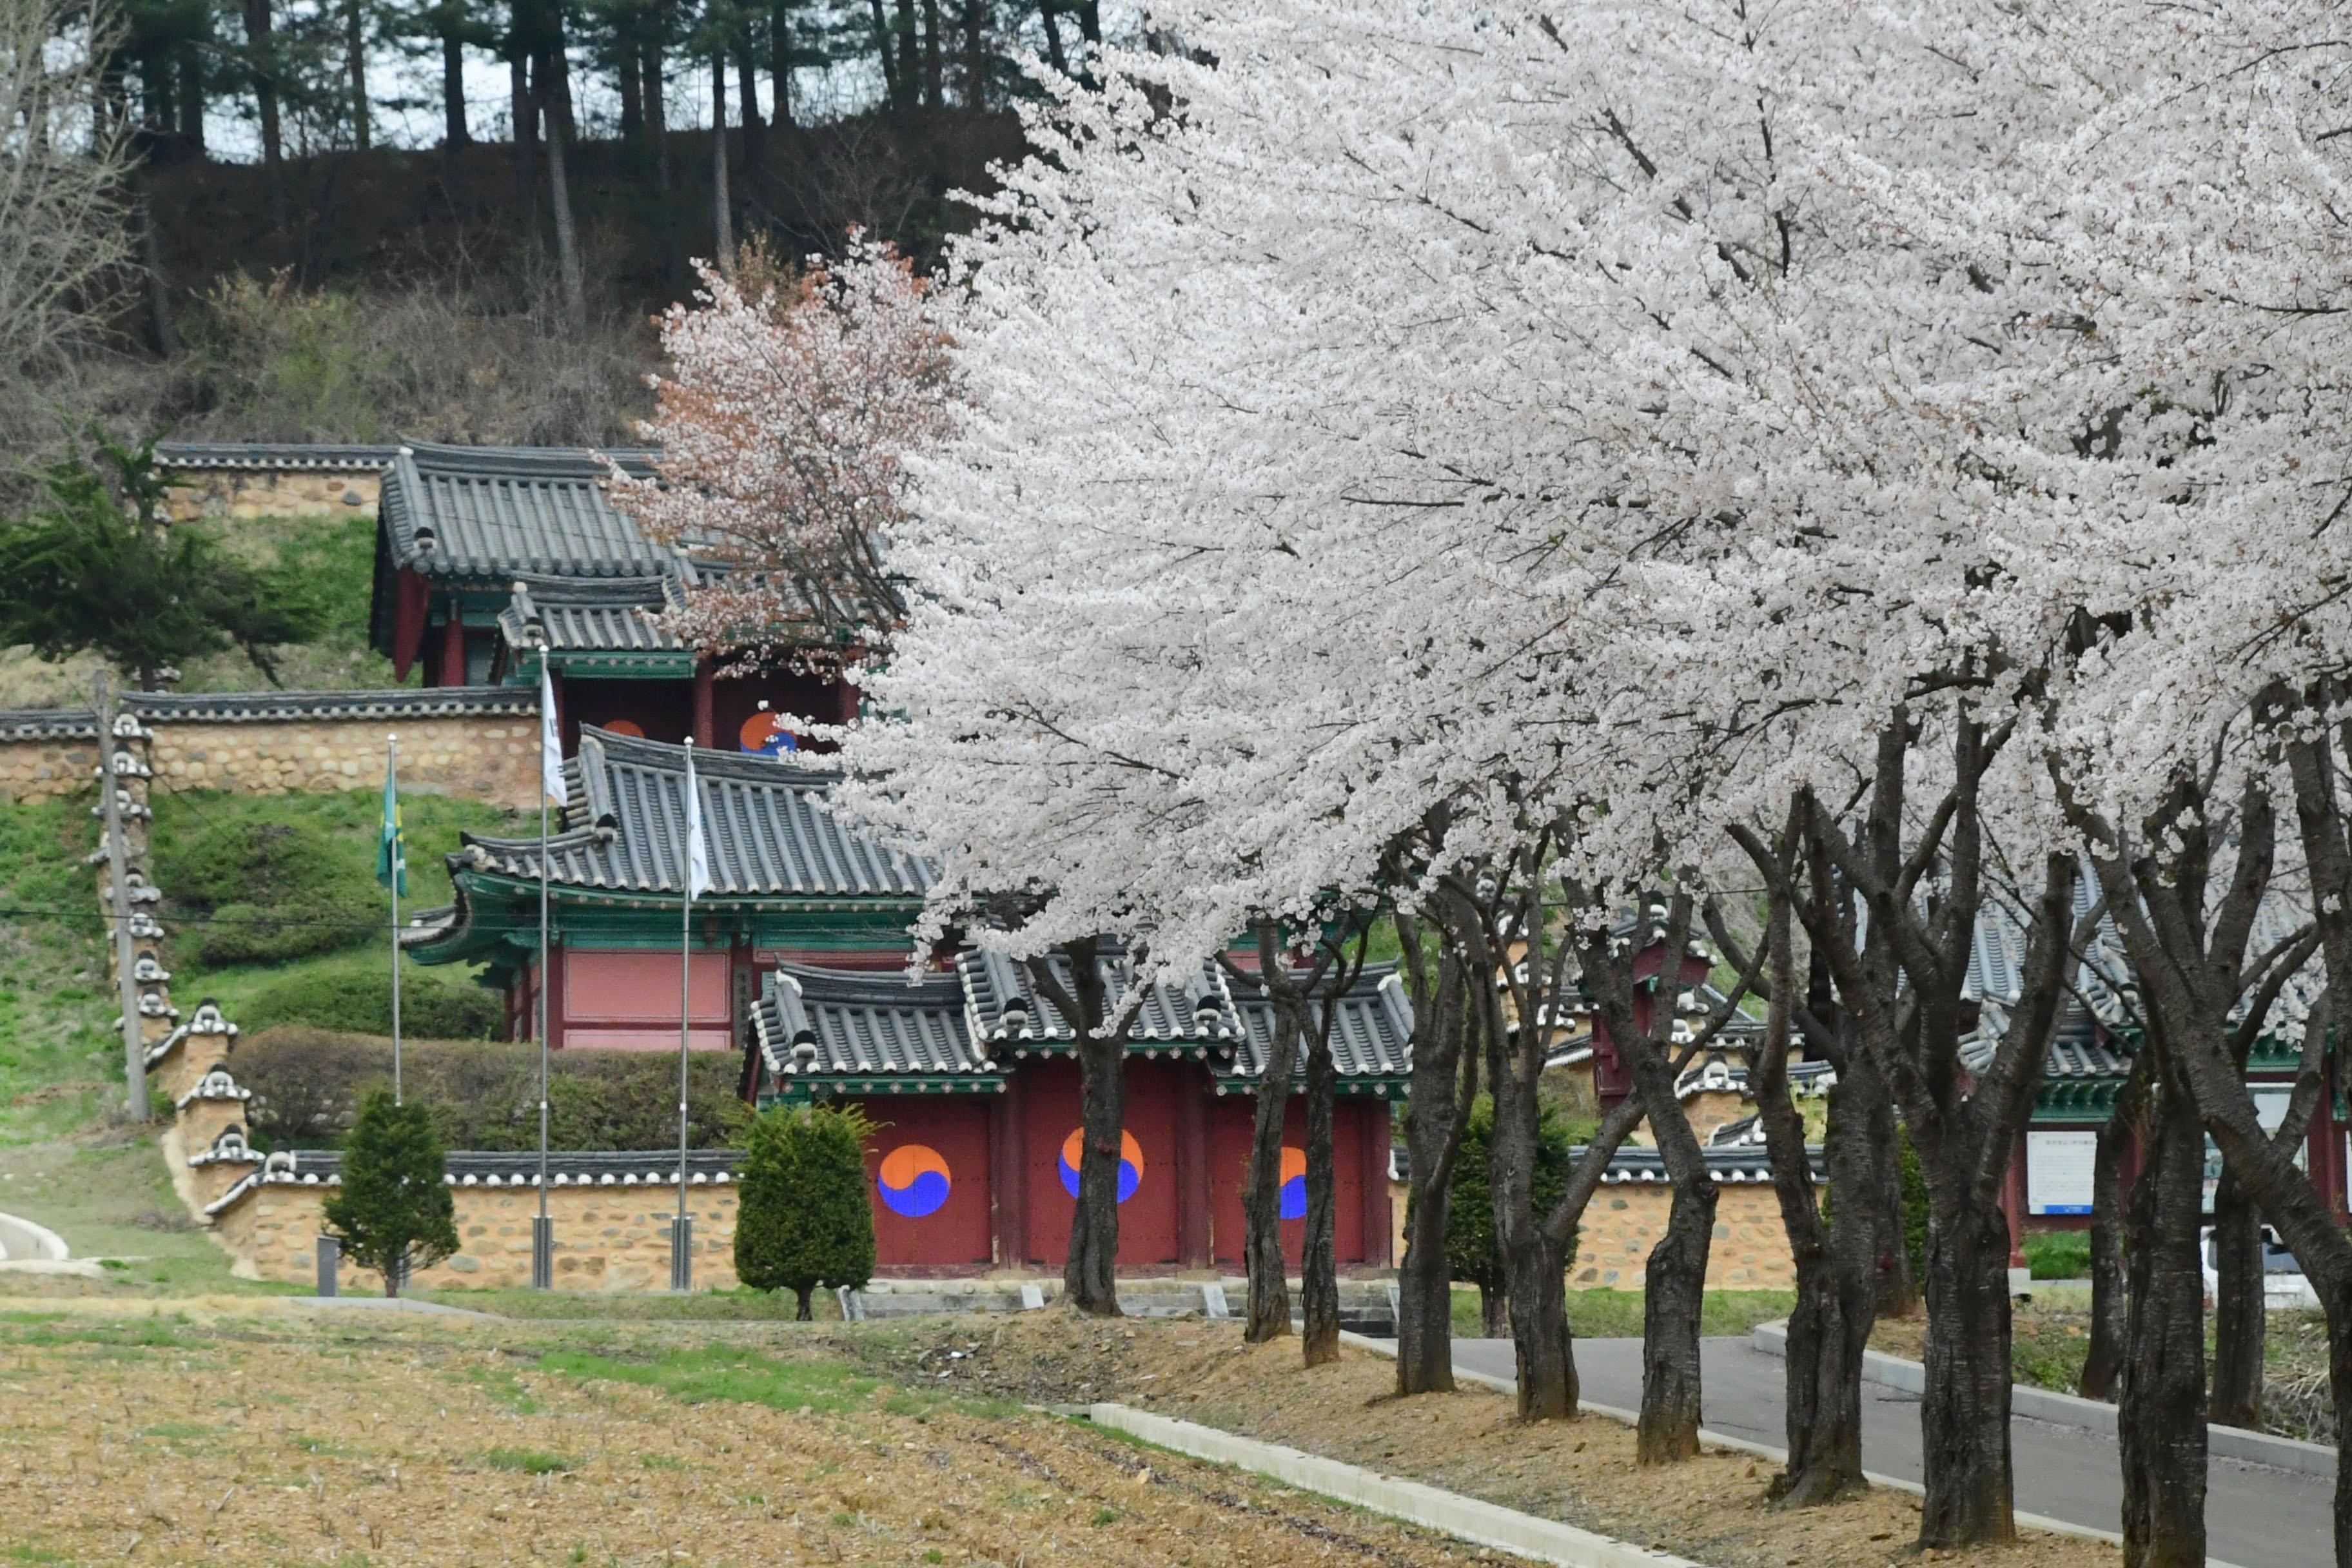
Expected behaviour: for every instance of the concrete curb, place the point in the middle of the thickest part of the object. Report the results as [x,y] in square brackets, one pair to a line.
[22,1241]
[1760,1450]
[1465,1519]
[2087,1415]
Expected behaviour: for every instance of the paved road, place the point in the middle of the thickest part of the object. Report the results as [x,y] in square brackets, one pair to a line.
[2256,1517]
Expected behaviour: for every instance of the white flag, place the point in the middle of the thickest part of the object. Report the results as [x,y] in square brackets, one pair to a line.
[550,742]
[697,855]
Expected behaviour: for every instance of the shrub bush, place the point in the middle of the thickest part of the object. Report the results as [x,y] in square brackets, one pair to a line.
[308,1085]
[803,1218]
[391,1207]
[268,892]
[355,996]
[1471,1246]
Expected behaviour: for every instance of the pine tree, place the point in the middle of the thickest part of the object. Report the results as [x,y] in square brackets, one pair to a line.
[803,1218]
[392,1203]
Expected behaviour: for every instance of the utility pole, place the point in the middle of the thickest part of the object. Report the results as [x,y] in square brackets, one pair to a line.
[126,961]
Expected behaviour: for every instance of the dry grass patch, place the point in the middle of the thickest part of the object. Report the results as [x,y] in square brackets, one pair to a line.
[1712,1510]
[273,1440]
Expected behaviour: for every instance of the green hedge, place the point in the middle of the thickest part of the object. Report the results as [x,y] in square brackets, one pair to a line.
[355,994]
[308,1085]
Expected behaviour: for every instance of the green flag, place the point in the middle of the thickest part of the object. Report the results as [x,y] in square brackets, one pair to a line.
[391,853]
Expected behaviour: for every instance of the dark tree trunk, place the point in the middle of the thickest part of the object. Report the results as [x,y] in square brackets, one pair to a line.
[1054,54]
[780,58]
[159,286]
[191,100]
[1269,1293]
[884,50]
[525,111]
[1675,1284]
[1319,1271]
[934,84]
[261,48]
[1495,1310]
[909,40]
[722,216]
[2160,1416]
[1898,1286]
[1533,1268]
[1835,1314]
[454,133]
[1444,1083]
[2240,1326]
[653,77]
[2124,1131]
[975,54]
[1089,1280]
[355,65]
[554,74]
[1964,1409]
[1837,1278]
[633,98]
[755,130]
[804,1314]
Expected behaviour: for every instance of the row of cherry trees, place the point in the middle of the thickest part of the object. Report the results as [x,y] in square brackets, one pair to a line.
[1503,468]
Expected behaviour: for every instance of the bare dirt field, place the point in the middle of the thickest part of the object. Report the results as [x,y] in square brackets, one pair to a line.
[259,1439]
[236,1431]
[1712,1511]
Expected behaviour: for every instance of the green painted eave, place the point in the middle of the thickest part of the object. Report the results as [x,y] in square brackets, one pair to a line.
[801,1090]
[615,664]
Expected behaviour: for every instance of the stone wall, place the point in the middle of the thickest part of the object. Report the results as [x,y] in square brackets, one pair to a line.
[236,493]
[475,743]
[607,1238]
[47,766]
[493,758]
[1625,1221]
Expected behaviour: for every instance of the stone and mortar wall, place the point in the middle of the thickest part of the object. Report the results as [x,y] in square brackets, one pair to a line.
[607,1238]
[1625,1220]
[238,493]
[36,768]
[491,757]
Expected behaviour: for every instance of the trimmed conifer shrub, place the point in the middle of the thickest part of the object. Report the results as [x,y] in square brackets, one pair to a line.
[1473,1252]
[801,1218]
[393,1205]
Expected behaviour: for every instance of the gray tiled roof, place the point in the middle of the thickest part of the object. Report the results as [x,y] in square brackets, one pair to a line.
[2079,1049]
[474,1168]
[1371,1031]
[610,614]
[261,455]
[498,512]
[767,829]
[1740,1165]
[1192,1010]
[269,707]
[864,1024]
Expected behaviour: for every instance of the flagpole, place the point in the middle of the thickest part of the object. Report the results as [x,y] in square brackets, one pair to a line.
[681,1265]
[550,778]
[399,854]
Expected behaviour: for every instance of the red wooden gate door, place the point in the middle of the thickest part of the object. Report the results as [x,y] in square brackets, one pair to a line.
[1147,1213]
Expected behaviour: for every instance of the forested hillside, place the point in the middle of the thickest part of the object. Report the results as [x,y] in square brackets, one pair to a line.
[300,244]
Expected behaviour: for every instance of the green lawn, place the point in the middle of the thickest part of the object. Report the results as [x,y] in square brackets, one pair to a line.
[187,824]
[60,1056]
[1617,1314]
[106,1191]
[336,556]
[705,1306]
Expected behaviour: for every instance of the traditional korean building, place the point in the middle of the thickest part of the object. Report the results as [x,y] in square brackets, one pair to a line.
[799,962]
[491,561]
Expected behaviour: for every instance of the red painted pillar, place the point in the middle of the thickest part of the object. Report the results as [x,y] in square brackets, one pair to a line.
[453,646]
[558,964]
[702,722]
[1192,1205]
[1380,1225]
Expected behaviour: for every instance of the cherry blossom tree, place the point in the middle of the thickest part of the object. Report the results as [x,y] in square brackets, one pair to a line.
[785,421]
